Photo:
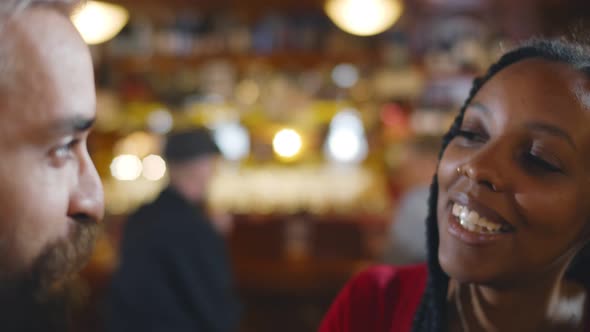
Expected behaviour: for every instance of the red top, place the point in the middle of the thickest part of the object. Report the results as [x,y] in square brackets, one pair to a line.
[382,299]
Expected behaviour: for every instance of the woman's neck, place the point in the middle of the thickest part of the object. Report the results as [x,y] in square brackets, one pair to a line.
[553,305]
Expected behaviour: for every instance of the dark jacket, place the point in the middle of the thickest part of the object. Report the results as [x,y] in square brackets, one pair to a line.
[174,274]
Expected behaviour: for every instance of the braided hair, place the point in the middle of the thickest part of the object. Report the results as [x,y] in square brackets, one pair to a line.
[11,7]
[431,315]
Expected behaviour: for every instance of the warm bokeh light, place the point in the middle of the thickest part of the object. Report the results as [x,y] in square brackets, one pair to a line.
[154,167]
[139,143]
[287,143]
[247,92]
[346,142]
[233,140]
[364,17]
[344,145]
[98,21]
[126,167]
[160,121]
[345,75]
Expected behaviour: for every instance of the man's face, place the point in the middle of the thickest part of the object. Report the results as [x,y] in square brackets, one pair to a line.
[50,194]
[198,174]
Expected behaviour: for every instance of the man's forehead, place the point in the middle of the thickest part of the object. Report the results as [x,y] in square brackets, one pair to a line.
[28,48]
[42,31]
[46,73]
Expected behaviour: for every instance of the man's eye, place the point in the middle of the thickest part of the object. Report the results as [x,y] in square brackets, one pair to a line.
[64,151]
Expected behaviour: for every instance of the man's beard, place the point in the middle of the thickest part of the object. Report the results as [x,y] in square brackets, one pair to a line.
[40,300]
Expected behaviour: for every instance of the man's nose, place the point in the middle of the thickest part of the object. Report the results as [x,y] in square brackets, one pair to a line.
[87,199]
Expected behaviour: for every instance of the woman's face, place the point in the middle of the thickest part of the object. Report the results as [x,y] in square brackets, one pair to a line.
[513,202]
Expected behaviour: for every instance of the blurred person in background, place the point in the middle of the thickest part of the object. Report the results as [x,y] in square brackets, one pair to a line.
[50,194]
[508,215]
[407,235]
[174,273]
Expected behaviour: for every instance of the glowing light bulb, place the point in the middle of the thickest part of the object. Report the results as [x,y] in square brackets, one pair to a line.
[233,140]
[98,21]
[287,143]
[364,17]
[346,142]
[126,167]
[154,167]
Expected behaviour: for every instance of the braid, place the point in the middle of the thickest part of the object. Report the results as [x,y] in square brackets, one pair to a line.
[11,7]
[431,315]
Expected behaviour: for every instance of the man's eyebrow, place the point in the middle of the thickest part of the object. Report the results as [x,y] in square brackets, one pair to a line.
[72,125]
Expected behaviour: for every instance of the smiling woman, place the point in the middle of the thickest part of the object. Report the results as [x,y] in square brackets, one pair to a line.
[509,219]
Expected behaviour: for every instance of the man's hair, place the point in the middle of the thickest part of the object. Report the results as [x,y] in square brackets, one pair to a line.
[432,313]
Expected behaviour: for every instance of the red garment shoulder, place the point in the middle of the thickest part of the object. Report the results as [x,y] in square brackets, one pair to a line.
[379,299]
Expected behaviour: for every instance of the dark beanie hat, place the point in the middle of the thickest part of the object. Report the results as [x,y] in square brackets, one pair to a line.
[189,144]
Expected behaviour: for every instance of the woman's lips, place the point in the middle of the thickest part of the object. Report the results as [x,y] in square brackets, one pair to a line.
[475,221]
[474,237]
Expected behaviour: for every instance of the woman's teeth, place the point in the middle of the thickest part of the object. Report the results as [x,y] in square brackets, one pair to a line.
[471,221]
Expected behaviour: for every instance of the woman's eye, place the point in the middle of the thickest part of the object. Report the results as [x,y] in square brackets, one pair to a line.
[541,164]
[471,135]
[540,158]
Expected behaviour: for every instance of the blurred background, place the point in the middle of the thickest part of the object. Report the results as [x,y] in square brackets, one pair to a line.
[326,111]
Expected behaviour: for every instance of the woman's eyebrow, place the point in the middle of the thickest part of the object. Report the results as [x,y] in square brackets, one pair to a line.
[552,130]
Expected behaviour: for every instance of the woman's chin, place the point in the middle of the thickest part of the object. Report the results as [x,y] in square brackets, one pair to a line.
[467,273]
